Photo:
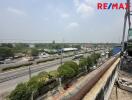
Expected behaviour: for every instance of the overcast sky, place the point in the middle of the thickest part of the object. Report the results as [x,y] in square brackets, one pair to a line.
[59,20]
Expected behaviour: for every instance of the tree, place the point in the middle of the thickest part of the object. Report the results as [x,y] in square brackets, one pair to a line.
[68,69]
[36,86]
[6,52]
[20,48]
[53,74]
[77,46]
[85,63]
[89,62]
[33,52]
[9,45]
[95,57]
[20,93]
[73,65]
[82,63]
[110,53]
[35,82]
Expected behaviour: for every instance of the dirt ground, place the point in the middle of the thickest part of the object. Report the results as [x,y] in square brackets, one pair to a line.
[121,94]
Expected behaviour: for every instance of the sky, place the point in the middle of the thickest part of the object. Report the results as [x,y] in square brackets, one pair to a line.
[75,21]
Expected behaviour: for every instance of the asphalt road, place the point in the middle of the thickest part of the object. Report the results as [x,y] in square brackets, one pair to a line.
[12,74]
[9,80]
[25,70]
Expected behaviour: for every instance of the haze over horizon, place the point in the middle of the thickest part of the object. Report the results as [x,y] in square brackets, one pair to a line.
[76,21]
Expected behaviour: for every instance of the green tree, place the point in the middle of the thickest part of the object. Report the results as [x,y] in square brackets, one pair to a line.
[68,69]
[53,74]
[85,63]
[37,84]
[82,63]
[20,93]
[110,53]
[32,52]
[37,81]
[33,83]
[73,65]
[6,52]
[89,62]
[9,45]
[77,46]
[95,57]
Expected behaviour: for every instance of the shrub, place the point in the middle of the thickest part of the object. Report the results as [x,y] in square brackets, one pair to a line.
[39,84]
[53,74]
[68,69]
[45,60]
[20,93]
[35,82]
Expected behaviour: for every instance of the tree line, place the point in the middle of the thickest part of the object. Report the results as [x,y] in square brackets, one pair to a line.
[9,50]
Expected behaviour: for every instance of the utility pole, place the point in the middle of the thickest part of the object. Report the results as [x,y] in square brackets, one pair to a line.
[61,57]
[62,51]
[61,61]
[87,51]
[29,70]
[32,95]
[59,79]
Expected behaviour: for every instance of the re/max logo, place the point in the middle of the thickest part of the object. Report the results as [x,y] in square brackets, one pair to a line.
[108,6]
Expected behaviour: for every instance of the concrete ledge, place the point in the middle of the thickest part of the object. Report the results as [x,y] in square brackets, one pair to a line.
[92,94]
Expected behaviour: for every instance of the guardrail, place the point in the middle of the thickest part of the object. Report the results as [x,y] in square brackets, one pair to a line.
[105,73]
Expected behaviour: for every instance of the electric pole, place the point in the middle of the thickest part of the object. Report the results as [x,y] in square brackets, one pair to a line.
[29,70]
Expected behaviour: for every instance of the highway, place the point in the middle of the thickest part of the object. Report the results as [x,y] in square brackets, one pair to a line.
[12,74]
[10,79]
[25,70]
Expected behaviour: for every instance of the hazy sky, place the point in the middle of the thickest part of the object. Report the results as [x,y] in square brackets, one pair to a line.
[59,20]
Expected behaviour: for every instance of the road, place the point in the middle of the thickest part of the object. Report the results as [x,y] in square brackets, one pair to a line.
[9,80]
[12,78]
[12,74]
[25,70]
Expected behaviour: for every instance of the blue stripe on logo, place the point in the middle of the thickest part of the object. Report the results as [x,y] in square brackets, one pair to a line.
[109,5]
